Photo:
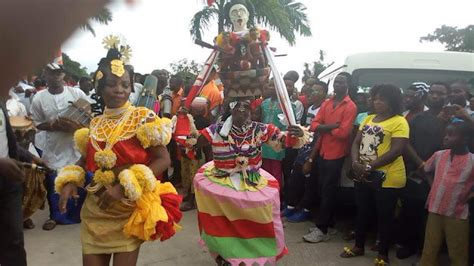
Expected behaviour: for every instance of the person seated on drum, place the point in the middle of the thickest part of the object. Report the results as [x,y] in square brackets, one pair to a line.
[234,182]
[55,137]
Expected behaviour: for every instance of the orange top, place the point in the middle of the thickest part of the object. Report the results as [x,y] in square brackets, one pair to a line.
[212,93]
[176,99]
[335,144]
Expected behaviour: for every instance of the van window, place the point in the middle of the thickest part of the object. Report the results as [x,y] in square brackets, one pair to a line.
[364,79]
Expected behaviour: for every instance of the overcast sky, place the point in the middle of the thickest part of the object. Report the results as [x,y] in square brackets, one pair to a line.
[158,31]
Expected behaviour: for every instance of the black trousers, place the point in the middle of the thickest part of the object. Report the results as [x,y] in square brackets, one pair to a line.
[288,167]
[303,190]
[385,202]
[329,178]
[413,215]
[12,251]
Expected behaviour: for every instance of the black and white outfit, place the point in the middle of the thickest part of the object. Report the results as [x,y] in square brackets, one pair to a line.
[12,251]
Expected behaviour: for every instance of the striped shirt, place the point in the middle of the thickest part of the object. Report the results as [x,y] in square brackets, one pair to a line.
[453,182]
[247,144]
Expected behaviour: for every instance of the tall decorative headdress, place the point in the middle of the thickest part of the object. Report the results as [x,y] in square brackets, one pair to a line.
[119,43]
[118,56]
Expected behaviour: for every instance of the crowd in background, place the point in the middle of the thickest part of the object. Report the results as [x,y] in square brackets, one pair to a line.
[408,151]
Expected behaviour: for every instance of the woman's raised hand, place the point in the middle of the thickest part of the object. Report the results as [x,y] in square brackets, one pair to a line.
[69,192]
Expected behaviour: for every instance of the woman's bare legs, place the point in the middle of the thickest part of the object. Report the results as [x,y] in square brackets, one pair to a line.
[126,258]
[96,260]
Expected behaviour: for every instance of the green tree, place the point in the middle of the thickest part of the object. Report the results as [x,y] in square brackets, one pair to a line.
[454,39]
[317,67]
[187,70]
[103,17]
[73,68]
[287,17]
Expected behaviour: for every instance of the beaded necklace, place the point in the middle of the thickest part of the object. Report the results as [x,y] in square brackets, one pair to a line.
[105,158]
[244,139]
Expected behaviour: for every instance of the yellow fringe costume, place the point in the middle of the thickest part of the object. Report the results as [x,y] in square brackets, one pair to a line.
[150,209]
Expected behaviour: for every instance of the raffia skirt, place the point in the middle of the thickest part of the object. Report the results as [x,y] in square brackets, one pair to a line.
[34,192]
[102,230]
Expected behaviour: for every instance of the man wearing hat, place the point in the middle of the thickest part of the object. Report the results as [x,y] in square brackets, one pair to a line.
[414,98]
[55,137]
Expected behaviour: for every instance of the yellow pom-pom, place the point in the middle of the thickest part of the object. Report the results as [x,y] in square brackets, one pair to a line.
[220,39]
[132,188]
[70,174]
[155,133]
[105,159]
[145,177]
[106,177]
[81,138]
[303,140]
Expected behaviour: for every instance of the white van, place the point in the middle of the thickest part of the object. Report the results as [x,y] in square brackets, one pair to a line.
[404,68]
[401,69]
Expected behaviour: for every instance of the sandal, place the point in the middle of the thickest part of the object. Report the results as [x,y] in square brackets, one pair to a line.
[187,206]
[49,225]
[28,224]
[381,261]
[351,253]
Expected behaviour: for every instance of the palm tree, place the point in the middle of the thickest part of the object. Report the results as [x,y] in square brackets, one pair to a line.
[103,17]
[286,17]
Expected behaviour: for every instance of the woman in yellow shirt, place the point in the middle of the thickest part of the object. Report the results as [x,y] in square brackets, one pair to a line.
[378,167]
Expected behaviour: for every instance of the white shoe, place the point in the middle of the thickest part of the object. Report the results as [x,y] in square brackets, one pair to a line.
[316,236]
[331,231]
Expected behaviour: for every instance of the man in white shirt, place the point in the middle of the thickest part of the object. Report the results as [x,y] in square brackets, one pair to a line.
[460,90]
[14,106]
[135,95]
[317,95]
[56,136]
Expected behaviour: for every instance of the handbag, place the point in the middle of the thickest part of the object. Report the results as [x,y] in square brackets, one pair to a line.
[375,179]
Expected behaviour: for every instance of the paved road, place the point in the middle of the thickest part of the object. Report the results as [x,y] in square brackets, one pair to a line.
[62,247]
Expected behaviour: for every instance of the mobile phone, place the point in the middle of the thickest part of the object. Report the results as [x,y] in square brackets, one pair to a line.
[449,109]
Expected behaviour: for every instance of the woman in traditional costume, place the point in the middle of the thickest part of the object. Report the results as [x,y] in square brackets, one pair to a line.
[124,150]
[238,202]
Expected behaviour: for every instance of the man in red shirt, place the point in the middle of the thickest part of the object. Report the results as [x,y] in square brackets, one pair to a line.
[334,125]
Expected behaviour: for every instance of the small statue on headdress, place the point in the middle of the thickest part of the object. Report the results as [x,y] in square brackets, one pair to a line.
[255,49]
[227,58]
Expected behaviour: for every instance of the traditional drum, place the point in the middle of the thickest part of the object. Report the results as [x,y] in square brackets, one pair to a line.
[79,111]
[24,130]
[147,96]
